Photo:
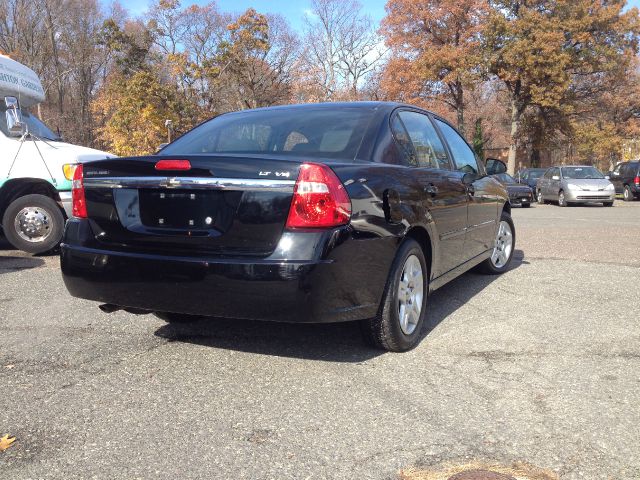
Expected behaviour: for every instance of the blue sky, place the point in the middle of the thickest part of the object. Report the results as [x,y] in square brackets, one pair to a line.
[292,10]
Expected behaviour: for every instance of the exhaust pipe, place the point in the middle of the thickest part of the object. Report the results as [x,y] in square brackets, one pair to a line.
[109,308]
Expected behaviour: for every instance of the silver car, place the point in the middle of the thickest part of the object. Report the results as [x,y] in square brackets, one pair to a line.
[575,184]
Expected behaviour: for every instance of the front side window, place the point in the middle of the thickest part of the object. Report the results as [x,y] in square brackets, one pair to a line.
[315,132]
[463,156]
[428,147]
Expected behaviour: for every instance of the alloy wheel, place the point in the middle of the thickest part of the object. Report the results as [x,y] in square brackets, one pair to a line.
[561,200]
[410,294]
[504,245]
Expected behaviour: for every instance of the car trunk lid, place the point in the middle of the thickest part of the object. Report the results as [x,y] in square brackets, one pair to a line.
[222,204]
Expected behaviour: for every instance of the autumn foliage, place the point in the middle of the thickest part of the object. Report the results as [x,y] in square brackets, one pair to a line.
[536,81]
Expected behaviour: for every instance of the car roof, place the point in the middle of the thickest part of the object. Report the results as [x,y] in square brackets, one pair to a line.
[386,107]
[572,166]
[330,105]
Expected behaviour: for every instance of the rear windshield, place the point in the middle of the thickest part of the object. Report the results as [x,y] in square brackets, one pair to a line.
[505,178]
[319,132]
[581,172]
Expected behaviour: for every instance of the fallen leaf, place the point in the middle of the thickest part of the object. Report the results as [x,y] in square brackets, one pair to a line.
[5,442]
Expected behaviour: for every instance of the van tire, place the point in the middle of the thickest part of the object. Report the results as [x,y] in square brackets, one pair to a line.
[46,209]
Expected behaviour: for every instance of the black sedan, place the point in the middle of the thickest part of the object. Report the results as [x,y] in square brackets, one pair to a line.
[307,213]
[519,195]
[530,176]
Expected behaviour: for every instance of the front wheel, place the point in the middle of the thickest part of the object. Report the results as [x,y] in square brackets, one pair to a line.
[608,204]
[504,246]
[399,323]
[562,201]
[33,223]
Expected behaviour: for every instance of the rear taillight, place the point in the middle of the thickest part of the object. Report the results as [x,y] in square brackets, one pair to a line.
[637,180]
[319,199]
[173,165]
[79,204]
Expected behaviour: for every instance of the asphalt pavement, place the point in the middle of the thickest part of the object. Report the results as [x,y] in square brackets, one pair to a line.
[540,365]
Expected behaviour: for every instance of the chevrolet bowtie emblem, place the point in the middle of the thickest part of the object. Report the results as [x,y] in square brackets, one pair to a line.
[171,183]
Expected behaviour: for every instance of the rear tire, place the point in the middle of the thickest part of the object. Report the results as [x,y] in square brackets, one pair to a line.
[608,204]
[33,223]
[540,198]
[627,195]
[526,205]
[503,250]
[170,317]
[399,325]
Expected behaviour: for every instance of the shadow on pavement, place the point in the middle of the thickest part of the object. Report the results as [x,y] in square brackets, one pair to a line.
[9,264]
[337,342]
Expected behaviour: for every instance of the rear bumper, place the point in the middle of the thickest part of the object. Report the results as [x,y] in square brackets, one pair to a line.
[339,278]
[523,199]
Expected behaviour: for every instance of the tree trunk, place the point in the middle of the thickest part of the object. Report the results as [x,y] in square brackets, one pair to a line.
[460,113]
[459,89]
[516,113]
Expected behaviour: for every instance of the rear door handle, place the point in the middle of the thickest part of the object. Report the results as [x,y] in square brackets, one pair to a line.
[431,189]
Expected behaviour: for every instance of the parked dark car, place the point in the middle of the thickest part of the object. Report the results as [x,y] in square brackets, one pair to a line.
[573,184]
[530,176]
[519,195]
[626,180]
[307,213]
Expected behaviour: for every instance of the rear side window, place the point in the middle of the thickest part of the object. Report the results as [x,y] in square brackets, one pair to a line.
[463,156]
[630,169]
[314,132]
[429,149]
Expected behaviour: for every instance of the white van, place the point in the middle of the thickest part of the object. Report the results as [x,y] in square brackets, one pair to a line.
[36,166]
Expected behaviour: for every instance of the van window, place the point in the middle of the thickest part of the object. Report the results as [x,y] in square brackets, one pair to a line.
[34,125]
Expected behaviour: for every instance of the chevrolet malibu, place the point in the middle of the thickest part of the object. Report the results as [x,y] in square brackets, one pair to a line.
[307,213]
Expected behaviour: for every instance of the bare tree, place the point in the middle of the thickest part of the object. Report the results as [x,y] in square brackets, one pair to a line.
[342,47]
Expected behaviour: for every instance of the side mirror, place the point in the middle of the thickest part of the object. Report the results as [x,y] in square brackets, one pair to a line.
[15,125]
[495,166]
[555,177]
[608,177]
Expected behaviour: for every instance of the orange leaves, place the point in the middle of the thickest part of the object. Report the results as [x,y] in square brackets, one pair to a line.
[6,441]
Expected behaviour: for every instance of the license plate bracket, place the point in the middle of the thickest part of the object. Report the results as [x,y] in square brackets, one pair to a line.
[179,209]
